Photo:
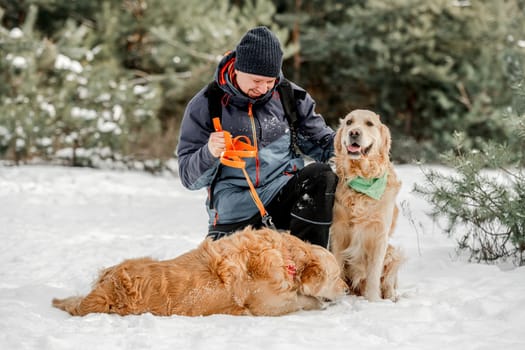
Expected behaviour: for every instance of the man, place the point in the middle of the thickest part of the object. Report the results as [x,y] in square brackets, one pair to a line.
[298,198]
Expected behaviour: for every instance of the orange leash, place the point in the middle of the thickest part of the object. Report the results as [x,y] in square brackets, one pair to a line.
[237,148]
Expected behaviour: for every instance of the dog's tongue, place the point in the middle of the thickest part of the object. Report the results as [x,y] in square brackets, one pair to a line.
[353,148]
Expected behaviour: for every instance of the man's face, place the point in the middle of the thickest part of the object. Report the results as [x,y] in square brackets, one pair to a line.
[254,85]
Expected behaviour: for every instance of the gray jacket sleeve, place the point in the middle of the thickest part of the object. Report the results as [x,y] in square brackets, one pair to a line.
[197,166]
[314,138]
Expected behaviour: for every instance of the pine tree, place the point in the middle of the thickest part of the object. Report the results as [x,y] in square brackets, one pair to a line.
[69,98]
[483,201]
[428,68]
[90,82]
[484,209]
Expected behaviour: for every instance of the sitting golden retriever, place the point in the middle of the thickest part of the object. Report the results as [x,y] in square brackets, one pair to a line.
[365,211]
[253,272]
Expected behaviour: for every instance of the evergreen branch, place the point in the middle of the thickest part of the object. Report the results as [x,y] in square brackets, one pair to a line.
[464,97]
[205,56]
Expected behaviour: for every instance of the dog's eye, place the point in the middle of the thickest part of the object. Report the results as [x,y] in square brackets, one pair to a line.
[349,122]
[369,123]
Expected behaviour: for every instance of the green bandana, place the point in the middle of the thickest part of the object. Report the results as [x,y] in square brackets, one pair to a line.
[374,187]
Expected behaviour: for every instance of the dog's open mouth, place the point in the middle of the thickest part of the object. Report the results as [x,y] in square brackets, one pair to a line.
[356,149]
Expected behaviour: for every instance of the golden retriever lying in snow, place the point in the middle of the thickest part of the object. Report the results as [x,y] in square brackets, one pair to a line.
[253,272]
[365,211]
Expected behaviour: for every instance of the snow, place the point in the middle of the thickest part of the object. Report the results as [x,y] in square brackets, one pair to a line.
[19,62]
[59,226]
[63,62]
[16,33]
[83,113]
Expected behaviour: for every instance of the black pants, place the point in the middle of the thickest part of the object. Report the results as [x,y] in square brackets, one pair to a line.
[303,206]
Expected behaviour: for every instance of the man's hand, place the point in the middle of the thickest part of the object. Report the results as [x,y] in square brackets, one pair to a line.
[216,143]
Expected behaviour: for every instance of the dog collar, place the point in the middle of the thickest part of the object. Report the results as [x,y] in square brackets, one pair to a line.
[374,187]
[292,270]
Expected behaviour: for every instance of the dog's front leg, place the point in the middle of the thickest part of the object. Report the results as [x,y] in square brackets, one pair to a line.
[375,269]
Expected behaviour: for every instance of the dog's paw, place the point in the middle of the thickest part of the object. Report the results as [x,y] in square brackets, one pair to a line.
[372,296]
[309,303]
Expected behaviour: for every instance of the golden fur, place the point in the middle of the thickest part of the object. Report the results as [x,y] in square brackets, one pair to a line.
[362,225]
[253,272]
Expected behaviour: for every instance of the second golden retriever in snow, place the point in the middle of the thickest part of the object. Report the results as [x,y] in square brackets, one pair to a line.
[365,210]
[252,272]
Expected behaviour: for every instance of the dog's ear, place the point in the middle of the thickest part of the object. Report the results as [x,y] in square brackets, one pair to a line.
[338,145]
[387,141]
[311,277]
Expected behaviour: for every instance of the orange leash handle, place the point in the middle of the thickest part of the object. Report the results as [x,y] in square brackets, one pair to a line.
[233,158]
[227,135]
[236,149]
[232,161]
[217,124]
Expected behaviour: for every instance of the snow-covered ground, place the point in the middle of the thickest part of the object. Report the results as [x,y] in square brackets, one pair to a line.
[59,226]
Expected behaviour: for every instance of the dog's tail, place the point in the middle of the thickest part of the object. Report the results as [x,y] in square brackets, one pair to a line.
[70,305]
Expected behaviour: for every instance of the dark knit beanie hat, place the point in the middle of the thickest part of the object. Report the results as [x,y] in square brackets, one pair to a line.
[259,53]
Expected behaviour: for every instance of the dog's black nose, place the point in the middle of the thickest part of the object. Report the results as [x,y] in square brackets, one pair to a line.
[355,134]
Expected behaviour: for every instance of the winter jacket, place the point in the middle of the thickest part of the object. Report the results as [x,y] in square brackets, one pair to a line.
[276,161]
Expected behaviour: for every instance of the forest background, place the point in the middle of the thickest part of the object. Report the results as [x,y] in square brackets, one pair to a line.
[105,83]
